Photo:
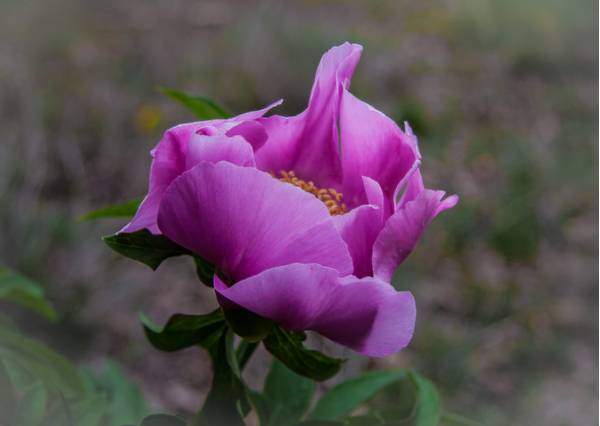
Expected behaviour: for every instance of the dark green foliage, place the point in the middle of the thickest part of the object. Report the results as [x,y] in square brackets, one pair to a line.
[182,331]
[248,325]
[288,348]
[144,247]
[226,403]
[152,250]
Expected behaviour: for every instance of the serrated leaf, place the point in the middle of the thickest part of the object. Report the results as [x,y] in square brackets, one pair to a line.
[16,288]
[287,347]
[127,209]
[182,331]
[346,396]
[288,395]
[202,107]
[144,247]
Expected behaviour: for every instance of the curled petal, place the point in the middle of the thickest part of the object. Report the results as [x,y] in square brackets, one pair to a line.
[244,221]
[374,146]
[251,131]
[366,315]
[308,142]
[403,229]
[359,229]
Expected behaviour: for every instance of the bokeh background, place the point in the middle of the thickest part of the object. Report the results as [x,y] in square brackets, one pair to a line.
[503,97]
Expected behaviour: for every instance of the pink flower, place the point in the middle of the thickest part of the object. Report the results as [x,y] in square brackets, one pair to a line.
[305,218]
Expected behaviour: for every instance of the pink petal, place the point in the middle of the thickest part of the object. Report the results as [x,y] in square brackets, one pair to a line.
[359,229]
[170,158]
[374,146]
[308,142]
[251,131]
[403,229]
[367,315]
[219,148]
[244,221]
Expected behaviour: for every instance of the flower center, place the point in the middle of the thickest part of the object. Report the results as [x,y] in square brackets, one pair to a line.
[329,196]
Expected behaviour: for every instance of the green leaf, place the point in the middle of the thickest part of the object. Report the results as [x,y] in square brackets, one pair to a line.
[201,107]
[228,395]
[428,408]
[32,405]
[247,324]
[182,331]
[419,405]
[16,288]
[27,357]
[163,420]
[126,209]
[126,404]
[87,411]
[346,396]
[8,398]
[144,247]
[288,394]
[205,270]
[287,347]
[152,250]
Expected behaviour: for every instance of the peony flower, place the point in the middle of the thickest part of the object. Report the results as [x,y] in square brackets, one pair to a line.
[305,218]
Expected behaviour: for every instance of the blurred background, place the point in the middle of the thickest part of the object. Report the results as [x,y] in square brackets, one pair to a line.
[503,97]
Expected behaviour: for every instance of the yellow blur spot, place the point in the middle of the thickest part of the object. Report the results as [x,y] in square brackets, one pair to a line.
[147,118]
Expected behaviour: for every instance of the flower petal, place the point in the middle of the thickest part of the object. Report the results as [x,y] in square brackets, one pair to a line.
[251,131]
[404,228]
[170,158]
[374,146]
[359,229]
[244,221]
[367,315]
[308,142]
[219,148]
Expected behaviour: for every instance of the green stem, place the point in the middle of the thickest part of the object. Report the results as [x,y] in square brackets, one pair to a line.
[244,352]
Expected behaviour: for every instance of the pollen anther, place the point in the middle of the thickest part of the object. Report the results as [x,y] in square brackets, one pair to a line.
[329,196]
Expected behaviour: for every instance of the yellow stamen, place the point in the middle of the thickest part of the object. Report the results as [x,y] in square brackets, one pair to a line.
[329,196]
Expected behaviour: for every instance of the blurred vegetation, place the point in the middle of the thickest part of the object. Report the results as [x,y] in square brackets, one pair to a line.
[502,95]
